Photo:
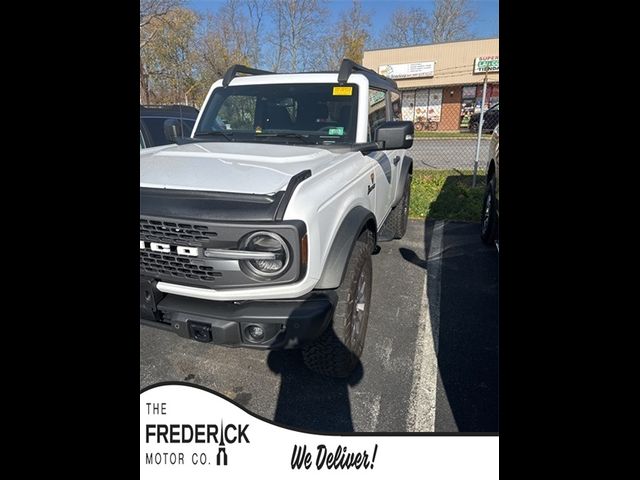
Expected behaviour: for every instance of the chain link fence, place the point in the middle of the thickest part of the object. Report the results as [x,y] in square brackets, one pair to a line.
[450,141]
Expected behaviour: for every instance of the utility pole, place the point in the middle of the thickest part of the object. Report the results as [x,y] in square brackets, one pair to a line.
[484,94]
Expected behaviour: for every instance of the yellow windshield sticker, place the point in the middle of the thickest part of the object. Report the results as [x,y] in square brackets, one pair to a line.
[342,90]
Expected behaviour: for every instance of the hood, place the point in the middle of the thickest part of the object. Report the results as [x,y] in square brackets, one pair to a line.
[253,168]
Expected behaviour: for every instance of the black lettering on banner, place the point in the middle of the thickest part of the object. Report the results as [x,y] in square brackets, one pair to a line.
[226,434]
[150,433]
[212,434]
[200,433]
[340,458]
[299,457]
[243,434]
[322,455]
[185,429]
[156,408]
[174,436]
[162,432]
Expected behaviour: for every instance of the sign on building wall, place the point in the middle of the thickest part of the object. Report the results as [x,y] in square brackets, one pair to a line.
[489,63]
[407,70]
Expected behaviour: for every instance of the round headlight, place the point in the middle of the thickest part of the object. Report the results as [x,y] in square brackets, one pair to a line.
[267,242]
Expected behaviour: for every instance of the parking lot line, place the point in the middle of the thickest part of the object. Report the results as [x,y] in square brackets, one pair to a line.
[422,403]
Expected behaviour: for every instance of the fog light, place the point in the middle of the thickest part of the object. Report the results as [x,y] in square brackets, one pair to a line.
[255,332]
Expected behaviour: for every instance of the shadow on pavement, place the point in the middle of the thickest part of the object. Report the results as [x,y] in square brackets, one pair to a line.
[467,332]
[308,400]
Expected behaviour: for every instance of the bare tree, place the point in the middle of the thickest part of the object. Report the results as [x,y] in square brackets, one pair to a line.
[297,33]
[231,35]
[348,38]
[406,27]
[170,59]
[451,20]
[256,12]
[276,39]
[150,12]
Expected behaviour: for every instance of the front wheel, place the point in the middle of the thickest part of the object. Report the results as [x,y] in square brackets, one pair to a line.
[473,127]
[337,351]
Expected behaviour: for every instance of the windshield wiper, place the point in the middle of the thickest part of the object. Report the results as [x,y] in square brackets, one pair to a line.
[304,138]
[227,135]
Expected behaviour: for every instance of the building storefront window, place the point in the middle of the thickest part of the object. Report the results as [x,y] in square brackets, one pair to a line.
[423,107]
[472,101]
[468,105]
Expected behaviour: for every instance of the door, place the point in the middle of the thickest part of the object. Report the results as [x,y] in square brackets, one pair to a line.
[380,180]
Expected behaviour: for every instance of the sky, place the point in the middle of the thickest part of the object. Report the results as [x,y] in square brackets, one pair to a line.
[486,24]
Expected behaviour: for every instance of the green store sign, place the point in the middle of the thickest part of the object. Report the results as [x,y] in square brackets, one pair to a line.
[489,63]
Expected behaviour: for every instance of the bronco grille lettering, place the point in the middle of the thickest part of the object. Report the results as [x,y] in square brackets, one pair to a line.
[166,248]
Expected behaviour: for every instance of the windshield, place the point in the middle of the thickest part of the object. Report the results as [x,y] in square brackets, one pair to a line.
[291,113]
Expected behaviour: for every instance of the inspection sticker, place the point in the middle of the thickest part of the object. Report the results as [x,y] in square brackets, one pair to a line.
[342,90]
[336,131]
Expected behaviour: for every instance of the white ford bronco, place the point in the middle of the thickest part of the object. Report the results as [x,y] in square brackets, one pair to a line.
[258,230]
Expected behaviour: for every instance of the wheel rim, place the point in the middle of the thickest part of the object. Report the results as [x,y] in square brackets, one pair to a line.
[359,309]
[485,215]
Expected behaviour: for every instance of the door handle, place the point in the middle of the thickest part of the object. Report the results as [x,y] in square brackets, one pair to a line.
[396,160]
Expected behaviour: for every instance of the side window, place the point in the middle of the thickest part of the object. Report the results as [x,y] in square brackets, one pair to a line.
[141,141]
[396,106]
[377,111]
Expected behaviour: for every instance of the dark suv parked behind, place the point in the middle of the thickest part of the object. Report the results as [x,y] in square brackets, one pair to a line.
[153,118]
[489,120]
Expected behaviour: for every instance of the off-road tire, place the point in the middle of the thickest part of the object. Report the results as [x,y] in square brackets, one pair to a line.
[489,216]
[399,216]
[337,351]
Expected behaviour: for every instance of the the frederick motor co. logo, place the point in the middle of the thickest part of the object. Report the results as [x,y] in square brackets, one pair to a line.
[211,441]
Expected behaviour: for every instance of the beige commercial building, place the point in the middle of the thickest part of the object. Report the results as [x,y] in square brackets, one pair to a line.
[441,83]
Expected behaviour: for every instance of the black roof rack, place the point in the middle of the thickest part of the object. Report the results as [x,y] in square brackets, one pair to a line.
[233,71]
[347,67]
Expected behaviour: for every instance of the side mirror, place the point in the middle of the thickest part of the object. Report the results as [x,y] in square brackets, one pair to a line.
[172,129]
[395,135]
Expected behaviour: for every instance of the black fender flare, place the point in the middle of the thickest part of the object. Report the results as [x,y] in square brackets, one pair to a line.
[353,224]
[405,169]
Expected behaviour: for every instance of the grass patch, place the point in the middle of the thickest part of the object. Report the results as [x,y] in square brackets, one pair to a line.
[446,195]
[462,135]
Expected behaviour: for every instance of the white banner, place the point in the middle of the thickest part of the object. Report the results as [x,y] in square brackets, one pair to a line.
[187,432]
[408,70]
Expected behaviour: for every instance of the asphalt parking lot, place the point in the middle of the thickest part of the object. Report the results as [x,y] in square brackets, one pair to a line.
[430,361]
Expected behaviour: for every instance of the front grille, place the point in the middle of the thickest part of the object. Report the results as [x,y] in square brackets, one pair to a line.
[174,266]
[185,234]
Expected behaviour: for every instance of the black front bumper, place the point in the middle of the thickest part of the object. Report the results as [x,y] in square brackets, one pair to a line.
[285,323]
